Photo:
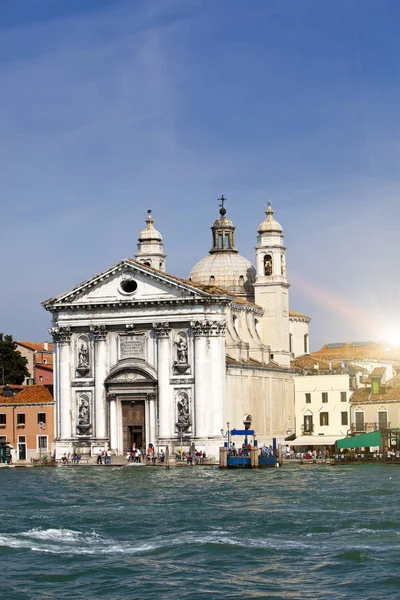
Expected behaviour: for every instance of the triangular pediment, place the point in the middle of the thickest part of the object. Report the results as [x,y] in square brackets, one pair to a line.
[129,281]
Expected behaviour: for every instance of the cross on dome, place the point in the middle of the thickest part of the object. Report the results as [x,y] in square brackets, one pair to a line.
[222,209]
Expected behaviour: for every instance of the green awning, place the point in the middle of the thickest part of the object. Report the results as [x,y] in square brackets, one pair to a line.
[361,441]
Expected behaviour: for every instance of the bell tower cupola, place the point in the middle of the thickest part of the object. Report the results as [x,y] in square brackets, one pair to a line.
[150,247]
[272,287]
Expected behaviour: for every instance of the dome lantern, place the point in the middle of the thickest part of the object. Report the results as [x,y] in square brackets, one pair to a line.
[224,267]
[223,231]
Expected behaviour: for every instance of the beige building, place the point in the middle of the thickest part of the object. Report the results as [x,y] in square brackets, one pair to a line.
[322,402]
[376,406]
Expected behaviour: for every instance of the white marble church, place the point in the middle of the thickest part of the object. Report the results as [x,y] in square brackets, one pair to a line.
[145,357]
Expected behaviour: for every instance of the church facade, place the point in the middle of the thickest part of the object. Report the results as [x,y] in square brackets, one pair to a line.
[144,357]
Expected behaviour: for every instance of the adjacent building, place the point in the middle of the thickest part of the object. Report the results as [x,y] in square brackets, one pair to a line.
[322,402]
[377,405]
[27,420]
[40,361]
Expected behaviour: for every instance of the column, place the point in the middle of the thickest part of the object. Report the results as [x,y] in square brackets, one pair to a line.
[162,331]
[217,402]
[112,400]
[151,398]
[62,337]
[201,330]
[99,333]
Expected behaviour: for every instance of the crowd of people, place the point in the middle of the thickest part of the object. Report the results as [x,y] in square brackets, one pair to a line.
[200,456]
[143,455]
[66,458]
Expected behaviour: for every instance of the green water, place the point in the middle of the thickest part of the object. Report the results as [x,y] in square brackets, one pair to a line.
[200,533]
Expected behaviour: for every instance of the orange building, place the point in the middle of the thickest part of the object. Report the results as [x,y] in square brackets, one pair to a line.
[27,420]
[40,361]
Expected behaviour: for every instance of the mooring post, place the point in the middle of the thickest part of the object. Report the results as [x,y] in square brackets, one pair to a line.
[223,456]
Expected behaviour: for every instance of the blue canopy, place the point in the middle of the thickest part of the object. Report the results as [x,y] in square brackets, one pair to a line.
[242,432]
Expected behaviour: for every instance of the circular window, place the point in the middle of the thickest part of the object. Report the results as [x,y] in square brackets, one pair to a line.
[128,286]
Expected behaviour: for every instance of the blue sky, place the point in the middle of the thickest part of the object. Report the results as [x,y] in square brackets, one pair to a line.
[110,107]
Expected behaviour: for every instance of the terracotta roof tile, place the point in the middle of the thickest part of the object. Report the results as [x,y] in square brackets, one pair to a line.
[307,362]
[32,394]
[209,289]
[394,382]
[378,372]
[36,345]
[48,367]
[356,350]
[365,395]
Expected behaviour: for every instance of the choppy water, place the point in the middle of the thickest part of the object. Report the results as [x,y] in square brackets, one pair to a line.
[200,533]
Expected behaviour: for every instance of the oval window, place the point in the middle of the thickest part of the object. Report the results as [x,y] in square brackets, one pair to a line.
[128,286]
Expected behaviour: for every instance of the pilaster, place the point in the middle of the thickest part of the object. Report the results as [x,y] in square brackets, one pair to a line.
[165,413]
[61,339]
[112,401]
[99,333]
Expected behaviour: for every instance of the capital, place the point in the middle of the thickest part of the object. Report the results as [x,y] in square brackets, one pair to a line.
[162,329]
[111,397]
[208,328]
[61,335]
[99,332]
[151,396]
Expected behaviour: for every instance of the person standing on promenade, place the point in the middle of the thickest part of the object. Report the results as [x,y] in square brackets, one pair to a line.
[99,458]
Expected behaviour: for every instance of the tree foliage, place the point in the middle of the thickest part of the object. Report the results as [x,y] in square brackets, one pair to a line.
[13,363]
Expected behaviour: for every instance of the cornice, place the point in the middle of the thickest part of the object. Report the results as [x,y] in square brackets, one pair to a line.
[138,303]
[247,308]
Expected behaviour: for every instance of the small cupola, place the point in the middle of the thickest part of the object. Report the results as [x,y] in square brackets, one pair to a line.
[270,225]
[150,247]
[223,231]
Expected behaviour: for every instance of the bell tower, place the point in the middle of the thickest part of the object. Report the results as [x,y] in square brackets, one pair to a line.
[272,288]
[150,247]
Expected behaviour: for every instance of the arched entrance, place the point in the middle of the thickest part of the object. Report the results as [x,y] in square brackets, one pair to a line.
[131,393]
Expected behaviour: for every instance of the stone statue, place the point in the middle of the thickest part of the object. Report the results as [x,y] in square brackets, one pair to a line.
[184,421]
[267,265]
[182,351]
[84,413]
[83,356]
[181,365]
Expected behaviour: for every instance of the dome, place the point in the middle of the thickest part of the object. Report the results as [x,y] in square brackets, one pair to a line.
[223,221]
[150,233]
[230,271]
[270,225]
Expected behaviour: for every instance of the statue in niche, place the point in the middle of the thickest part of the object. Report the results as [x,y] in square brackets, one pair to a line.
[283,265]
[267,265]
[182,351]
[84,414]
[83,358]
[181,365]
[184,420]
[84,426]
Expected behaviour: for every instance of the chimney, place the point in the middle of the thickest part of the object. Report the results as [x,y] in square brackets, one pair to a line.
[46,346]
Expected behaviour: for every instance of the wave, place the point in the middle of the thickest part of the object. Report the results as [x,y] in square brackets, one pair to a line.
[71,542]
